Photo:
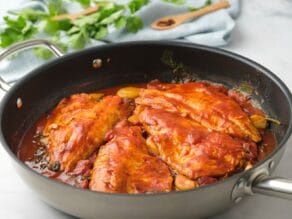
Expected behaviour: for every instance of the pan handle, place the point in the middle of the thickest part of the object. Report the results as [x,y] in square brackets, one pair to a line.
[273,186]
[4,86]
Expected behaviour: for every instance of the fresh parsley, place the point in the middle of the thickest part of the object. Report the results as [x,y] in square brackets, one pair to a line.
[135,5]
[56,7]
[17,30]
[45,53]
[30,23]
[134,23]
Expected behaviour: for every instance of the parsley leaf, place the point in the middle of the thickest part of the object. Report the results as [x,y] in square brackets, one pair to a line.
[17,24]
[121,22]
[56,7]
[87,20]
[52,27]
[108,11]
[134,23]
[111,18]
[135,5]
[45,53]
[33,15]
[101,33]
[17,30]
[78,40]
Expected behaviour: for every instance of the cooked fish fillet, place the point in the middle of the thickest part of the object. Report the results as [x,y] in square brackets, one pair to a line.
[191,149]
[123,165]
[204,104]
[77,126]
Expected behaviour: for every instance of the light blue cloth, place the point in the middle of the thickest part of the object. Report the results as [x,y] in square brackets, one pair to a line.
[213,29]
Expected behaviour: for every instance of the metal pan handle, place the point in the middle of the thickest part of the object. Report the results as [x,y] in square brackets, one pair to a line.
[260,182]
[4,86]
[273,186]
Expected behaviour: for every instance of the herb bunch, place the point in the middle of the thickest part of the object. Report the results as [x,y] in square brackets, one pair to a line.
[30,23]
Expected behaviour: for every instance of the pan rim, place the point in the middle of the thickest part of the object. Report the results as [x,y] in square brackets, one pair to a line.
[219,51]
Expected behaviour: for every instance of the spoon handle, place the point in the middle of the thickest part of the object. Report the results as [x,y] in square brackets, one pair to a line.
[172,21]
[74,16]
[205,10]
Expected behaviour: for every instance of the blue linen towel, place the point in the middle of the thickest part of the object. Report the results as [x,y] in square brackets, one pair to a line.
[213,29]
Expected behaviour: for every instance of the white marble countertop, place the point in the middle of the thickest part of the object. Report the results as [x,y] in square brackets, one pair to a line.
[263,33]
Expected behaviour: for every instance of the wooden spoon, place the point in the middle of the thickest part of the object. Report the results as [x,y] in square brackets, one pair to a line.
[74,16]
[172,21]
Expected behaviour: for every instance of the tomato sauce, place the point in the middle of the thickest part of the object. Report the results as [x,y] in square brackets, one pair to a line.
[33,152]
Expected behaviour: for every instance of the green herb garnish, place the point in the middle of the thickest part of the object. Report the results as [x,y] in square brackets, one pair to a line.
[134,23]
[30,23]
[56,7]
[17,30]
[135,5]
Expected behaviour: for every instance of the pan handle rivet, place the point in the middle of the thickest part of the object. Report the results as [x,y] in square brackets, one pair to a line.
[271,164]
[238,199]
[96,63]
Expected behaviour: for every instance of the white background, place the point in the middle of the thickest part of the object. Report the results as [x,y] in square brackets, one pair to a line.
[264,34]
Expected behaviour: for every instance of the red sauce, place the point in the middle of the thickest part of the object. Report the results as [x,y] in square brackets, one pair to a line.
[267,146]
[33,153]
